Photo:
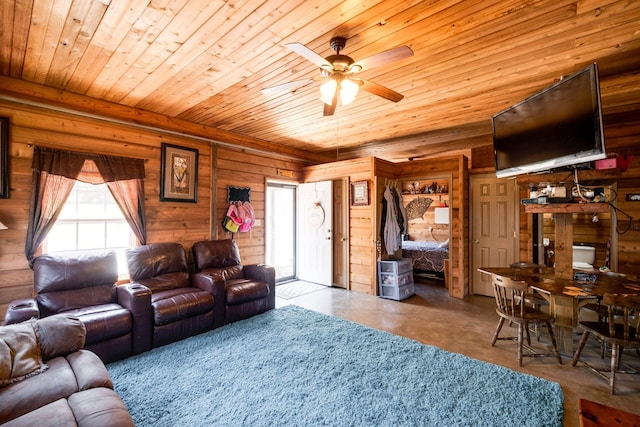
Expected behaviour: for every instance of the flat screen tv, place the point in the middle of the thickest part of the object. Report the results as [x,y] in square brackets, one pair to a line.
[556,127]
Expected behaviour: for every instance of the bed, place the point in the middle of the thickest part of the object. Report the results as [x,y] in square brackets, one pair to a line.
[427,256]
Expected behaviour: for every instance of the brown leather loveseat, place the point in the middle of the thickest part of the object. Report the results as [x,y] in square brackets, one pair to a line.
[178,309]
[240,291]
[83,284]
[47,380]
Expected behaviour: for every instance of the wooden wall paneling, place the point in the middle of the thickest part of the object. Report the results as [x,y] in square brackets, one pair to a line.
[361,249]
[166,221]
[239,168]
[629,232]
[30,126]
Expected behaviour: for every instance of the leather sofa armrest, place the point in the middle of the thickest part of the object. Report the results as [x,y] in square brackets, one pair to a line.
[136,298]
[265,273]
[21,310]
[214,284]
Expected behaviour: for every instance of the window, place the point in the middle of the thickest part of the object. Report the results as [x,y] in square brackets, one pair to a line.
[91,219]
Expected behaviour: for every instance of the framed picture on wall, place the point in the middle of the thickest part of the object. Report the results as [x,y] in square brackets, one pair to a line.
[4,157]
[360,193]
[178,174]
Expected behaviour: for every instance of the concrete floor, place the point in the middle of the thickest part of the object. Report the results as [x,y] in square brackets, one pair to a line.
[466,327]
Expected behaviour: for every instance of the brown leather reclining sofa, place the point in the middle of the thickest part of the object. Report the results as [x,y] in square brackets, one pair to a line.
[46,379]
[163,303]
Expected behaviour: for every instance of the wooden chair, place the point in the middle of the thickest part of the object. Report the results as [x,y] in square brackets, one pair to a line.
[619,331]
[511,306]
[532,298]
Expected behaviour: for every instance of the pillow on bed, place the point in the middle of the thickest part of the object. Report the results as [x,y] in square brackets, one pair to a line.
[444,244]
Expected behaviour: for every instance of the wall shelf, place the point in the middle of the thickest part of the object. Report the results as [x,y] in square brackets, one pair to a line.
[567,208]
[586,177]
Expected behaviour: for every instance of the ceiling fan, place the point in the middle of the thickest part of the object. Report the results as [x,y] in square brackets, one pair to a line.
[338,72]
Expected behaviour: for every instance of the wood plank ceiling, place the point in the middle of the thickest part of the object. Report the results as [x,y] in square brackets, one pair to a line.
[206,61]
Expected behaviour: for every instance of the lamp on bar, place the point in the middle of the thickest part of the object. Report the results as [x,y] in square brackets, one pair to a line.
[348,91]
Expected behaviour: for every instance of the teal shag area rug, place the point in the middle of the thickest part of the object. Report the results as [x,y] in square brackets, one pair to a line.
[296,367]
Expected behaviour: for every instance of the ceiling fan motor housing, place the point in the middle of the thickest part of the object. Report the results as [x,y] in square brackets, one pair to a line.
[338,43]
[340,62]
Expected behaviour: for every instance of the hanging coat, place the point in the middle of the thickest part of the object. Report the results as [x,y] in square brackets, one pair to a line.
[392,236]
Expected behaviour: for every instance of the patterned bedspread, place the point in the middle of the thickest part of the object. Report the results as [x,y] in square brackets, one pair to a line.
[426,256]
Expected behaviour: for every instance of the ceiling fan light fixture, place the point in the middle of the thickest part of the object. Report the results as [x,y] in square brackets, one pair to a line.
[327,89]
[348,91]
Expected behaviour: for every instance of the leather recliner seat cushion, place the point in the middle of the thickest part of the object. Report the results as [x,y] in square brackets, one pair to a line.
[65,376]
[180,303]
[240,291]
[104,322]
[62,301]
[89,408]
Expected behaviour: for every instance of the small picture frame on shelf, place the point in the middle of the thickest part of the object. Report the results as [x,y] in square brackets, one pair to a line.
[178,174]
[360,193]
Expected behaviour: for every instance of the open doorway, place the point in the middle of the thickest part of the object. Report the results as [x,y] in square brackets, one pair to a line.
[425,240]
[280,230]
[306,232]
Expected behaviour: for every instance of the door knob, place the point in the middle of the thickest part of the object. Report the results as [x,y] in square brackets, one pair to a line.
[475,242]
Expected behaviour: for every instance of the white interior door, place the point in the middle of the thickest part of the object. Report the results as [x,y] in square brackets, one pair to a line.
[493,227]
[315,246]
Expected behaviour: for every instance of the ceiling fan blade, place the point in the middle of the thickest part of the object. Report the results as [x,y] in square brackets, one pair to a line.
[383,58]
[286,87]
[330,109]
[381,91]
[309,55]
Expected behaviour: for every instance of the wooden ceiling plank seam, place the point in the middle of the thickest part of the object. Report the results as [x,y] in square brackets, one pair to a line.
[80,25]
[194,88]
[7,15]
[20,36]
[127,56]
[36,42]
[107,37]
[145,30]
[55,25]
[157,65]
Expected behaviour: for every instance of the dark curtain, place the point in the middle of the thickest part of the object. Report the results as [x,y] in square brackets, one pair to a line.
[55,172]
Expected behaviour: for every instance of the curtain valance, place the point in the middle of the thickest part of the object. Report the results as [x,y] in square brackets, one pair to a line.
[86,167]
